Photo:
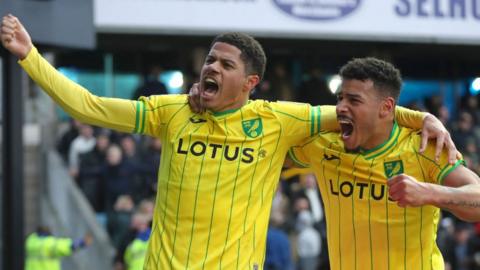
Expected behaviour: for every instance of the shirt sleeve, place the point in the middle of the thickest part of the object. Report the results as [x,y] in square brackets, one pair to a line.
[304,121]
[436,171]
[409,118]
[404,117]
[300,154]
[324,118]
[114,113]
[154,112]
[328,118]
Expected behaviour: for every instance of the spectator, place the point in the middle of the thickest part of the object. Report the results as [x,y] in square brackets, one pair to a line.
[463,131]
[132,158]
[309,242]
[150,164]
[314,200]
[135,253]
[118,175]
[90,179]
[119,219]
[152,84]
[136,223]
[145,207]
[473,249]
[471,155]
[65,142]
[276,86]
[314,89]
[278,254]
[433,104]
[462,234]
[446,242]
[83,143]
[44,251]
[471,105]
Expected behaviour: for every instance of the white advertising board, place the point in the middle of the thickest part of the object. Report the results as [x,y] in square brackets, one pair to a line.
[436,21]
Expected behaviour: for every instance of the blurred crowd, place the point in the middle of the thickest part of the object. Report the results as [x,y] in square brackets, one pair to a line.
[118,175]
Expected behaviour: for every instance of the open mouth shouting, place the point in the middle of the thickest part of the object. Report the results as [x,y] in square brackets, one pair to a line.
[210,87]
[346,131]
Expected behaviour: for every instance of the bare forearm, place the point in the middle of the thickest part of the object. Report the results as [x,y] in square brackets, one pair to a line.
[463,202]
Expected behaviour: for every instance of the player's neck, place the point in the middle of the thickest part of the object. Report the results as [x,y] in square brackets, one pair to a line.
[231,107]
[380,135]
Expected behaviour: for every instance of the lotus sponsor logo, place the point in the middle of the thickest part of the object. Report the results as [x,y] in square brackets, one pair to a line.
[318,9]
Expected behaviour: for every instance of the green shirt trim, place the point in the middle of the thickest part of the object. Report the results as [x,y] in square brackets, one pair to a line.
[385,146]
[448,169]
[225,112]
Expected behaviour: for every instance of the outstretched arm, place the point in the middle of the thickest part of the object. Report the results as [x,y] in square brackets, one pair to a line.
[112,113]
[460,193]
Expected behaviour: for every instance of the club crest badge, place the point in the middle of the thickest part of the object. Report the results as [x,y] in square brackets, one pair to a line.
[393,168]
[253,127]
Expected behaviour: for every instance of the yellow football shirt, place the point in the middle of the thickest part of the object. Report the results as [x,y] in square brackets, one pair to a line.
[218,172]
[217,178]
[365,230]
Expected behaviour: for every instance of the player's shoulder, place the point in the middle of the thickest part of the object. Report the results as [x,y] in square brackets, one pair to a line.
[286,107]
[409,140]
[166,99]
[163,102]
[408,135]
[331,139]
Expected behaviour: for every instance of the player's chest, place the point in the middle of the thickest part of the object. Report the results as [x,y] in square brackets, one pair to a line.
[358,168]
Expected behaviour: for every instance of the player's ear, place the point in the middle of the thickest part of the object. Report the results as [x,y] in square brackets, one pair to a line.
[387,107]
[250,82]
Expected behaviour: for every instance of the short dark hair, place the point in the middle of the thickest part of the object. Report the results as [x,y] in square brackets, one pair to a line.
[386,78]
[252,53]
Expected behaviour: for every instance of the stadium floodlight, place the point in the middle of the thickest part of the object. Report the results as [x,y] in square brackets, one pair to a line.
[334,83]
[173,80]
[176,79]
[475,87]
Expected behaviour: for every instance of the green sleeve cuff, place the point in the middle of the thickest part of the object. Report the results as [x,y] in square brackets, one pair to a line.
[448,169]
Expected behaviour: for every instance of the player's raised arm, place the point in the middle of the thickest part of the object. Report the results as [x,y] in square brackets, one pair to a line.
[112,113]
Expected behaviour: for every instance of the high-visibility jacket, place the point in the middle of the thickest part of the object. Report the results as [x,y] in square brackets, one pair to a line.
[45,252]
[135,254]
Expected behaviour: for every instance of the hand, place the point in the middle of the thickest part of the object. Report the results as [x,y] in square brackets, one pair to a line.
[407,191]
[194,100]
[433,128]
[14,37]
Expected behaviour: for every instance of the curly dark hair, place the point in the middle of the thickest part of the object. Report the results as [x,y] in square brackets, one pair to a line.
[252,53]
[386,78]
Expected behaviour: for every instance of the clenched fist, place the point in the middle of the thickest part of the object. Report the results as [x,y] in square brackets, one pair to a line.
[14,37]
[407,191]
